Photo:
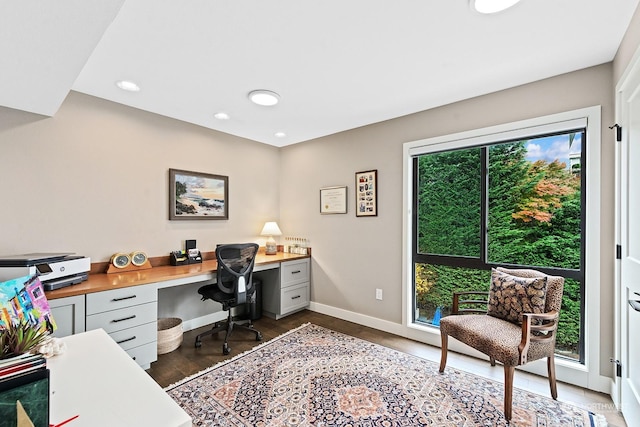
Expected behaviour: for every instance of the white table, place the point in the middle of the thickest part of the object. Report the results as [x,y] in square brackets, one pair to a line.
[97,380]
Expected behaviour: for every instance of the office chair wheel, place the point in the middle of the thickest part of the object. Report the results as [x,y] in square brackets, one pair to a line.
[198,343]
[258,336]
[225,349]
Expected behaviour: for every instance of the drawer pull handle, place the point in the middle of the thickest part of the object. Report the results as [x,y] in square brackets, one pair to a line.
[123,319]
[296,297]
[123,298]
[296,272]
[125,340]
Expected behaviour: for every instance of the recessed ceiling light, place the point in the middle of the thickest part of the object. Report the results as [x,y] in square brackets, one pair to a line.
[492,6]
[128,85]
[221,116]
[280,134]
[264,97]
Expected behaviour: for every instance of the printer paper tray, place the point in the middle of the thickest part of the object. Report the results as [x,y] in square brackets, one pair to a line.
[51,285]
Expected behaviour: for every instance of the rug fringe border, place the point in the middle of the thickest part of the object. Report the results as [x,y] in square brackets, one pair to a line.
[237,356]
[600,419]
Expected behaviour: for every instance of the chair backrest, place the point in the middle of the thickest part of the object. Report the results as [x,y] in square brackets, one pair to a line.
[555,286]
[235,269]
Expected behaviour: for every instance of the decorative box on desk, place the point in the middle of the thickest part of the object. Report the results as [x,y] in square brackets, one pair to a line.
[184,258]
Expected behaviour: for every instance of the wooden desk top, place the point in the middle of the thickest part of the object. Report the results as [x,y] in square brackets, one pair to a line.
[104,282]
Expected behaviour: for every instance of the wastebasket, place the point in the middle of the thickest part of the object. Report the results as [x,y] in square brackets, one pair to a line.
[169,334]
[254,305]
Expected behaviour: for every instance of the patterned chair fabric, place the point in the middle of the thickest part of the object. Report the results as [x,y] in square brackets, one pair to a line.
[509,343]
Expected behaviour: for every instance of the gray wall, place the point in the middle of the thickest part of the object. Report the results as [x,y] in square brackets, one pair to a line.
[628,47]
[354,256]
[94,178]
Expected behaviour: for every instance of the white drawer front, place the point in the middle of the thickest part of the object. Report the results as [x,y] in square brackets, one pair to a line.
[294,272]
[294,298]
[119,298]
[144,354]
[117,320]
[136,336]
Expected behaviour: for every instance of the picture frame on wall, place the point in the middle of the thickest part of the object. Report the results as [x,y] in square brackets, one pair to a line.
[333,200]
[367,193]
[198,195]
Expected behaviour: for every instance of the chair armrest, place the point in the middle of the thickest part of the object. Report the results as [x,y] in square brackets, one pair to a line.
[542,331]
[457,302]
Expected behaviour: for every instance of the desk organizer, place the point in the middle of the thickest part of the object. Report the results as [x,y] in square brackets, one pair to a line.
[184,258]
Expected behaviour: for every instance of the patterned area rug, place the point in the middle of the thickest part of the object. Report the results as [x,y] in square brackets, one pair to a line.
[312,376]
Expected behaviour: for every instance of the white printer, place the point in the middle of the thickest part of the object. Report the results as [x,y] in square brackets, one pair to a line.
[56,270]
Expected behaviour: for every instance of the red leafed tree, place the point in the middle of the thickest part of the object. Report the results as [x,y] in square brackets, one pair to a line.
[546,183]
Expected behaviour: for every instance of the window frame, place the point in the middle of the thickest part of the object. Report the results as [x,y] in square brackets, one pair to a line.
[482,261]
[584,375]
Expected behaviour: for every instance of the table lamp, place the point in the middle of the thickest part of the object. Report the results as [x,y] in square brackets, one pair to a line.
[271,229]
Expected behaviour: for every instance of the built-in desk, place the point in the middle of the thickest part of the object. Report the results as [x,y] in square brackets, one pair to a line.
[125,304]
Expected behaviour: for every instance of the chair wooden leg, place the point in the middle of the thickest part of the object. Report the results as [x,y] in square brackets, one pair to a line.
[492,361]
[551,369]
[508,390]
[443,351]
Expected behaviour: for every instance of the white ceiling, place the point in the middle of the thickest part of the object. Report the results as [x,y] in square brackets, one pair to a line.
[337,64]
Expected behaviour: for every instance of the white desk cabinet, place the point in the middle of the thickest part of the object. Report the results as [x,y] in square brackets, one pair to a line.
[129,316]
[290,293]
[68,313]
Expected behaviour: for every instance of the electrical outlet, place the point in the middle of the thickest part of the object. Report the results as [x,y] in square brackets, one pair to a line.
[379,294]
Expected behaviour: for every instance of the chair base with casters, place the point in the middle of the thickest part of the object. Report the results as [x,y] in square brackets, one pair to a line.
[508,343]
[213,292]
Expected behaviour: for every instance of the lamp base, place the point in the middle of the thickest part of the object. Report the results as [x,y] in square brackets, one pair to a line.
[270,250]
[270,247]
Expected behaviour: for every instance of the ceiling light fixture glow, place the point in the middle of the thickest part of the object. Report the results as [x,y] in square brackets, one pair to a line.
[264,97]
[221,116]
[128,86]
[492,6]
[280,134]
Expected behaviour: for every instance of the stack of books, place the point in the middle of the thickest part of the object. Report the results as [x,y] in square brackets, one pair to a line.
[20,365]
[24,386]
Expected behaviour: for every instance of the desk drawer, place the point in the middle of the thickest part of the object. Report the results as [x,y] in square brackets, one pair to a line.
[136,336]
[117,320]
[294,298]
[118,298]
[294,272]
[144,354]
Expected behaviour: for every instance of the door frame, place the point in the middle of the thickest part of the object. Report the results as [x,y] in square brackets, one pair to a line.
[630,75]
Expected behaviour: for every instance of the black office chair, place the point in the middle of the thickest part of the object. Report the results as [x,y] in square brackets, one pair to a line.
[234,287]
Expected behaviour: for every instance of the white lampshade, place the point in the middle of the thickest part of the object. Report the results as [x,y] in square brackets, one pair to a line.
[271,229]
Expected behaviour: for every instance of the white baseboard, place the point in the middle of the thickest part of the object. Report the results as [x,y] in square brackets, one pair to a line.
[361,319]
[198,322]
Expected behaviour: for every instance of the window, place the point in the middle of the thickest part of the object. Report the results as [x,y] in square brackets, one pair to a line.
[583,371]
[501,201]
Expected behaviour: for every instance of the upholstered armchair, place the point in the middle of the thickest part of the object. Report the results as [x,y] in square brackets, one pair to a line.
[518,326]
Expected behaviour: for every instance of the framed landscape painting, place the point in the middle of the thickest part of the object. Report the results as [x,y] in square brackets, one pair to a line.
[197,195]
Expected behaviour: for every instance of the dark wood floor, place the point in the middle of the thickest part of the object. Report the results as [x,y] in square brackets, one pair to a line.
[188,360]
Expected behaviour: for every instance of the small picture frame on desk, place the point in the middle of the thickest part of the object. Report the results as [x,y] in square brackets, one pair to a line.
[198,195]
